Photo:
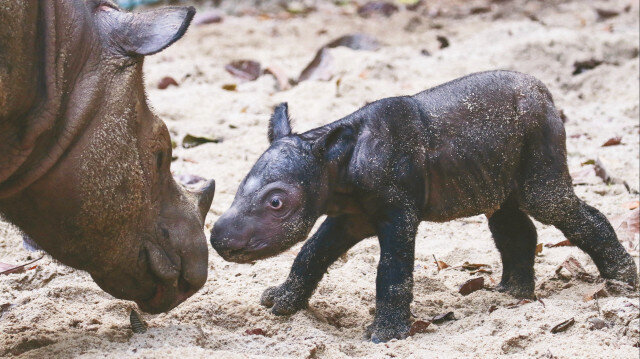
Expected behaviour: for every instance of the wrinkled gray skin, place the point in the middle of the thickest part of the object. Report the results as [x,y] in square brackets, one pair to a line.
[488,143]
[84,163]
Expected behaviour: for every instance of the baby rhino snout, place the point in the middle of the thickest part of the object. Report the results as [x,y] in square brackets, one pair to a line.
[229,237]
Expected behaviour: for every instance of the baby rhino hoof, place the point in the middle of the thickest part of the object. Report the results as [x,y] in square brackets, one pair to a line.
[379,333]
[282,300]
[517,290]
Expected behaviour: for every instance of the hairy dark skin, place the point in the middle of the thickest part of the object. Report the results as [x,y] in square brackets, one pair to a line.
[84,162]
[489,143]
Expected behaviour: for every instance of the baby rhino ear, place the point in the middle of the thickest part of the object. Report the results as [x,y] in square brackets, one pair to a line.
[279,124]
[144,33]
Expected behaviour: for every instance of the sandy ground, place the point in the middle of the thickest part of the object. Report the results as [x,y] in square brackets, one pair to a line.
[55,311]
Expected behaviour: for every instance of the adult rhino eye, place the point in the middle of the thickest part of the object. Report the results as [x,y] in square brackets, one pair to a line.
[275,203]
[159,159]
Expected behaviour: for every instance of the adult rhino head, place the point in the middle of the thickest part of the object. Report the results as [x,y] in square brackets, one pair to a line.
[84,162]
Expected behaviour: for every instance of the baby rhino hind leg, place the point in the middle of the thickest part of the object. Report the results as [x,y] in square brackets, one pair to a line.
[515,237]
[590,231]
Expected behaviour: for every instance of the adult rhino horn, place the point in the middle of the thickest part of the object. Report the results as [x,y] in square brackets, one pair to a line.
[204,197]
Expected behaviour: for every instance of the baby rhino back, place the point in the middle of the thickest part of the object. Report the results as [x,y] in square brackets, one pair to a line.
[480,128]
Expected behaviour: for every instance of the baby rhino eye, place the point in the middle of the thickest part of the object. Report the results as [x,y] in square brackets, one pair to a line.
[275,203]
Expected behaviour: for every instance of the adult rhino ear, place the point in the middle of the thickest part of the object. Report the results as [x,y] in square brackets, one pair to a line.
[335,145]
[279,124]
[144,33]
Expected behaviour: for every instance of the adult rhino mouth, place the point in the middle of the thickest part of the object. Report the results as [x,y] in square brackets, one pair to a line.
[167,297]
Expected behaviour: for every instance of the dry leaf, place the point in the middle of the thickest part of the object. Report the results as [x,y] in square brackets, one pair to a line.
[493,308]
[632,205]
[582,66]
[471,286]
[612,141]
[229,87]
[281,78]
[473,266]
[419,326]
[481,270]
[444,42]
[256,331]
[377,8]
[575,268]
[440,264]
[190,141]
[606,13]
[563,326]
[248,70]
[598,291]
[320,68]
[596,323]
[627,227]
[356,41]
[166,82]
[565,243]
[441,318]
[520,303]
[539,247]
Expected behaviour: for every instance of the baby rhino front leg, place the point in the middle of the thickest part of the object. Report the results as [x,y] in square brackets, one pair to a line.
[334,237]
[394,282]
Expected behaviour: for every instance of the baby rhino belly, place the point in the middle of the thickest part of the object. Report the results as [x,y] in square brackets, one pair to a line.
[463,186]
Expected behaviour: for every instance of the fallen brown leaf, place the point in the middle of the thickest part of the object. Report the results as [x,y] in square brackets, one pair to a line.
[565,243]
[320,68]
[493,308]
[612,141]
[441,318]
[481,270]
[520,303]
[599,291]
[166,82]
[229,87]
[256,331]
[582,66]
[632,205]
[471,286]
[373,8]
[604,14]
[281,78]
[575,269]
[248,70]
[539,247]
[563,326]
[356,41]
[473,266]
[440,264]
[419,326]
[444,42]
[627,227]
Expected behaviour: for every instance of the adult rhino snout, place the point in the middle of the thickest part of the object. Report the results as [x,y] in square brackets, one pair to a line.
[178,257]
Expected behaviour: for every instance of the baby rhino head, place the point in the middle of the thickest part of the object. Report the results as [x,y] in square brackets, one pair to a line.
[280,199]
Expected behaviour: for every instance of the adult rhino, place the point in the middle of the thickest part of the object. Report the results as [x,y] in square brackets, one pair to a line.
[84,162]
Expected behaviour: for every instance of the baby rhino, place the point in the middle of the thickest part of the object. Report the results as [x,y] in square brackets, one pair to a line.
[489,143]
